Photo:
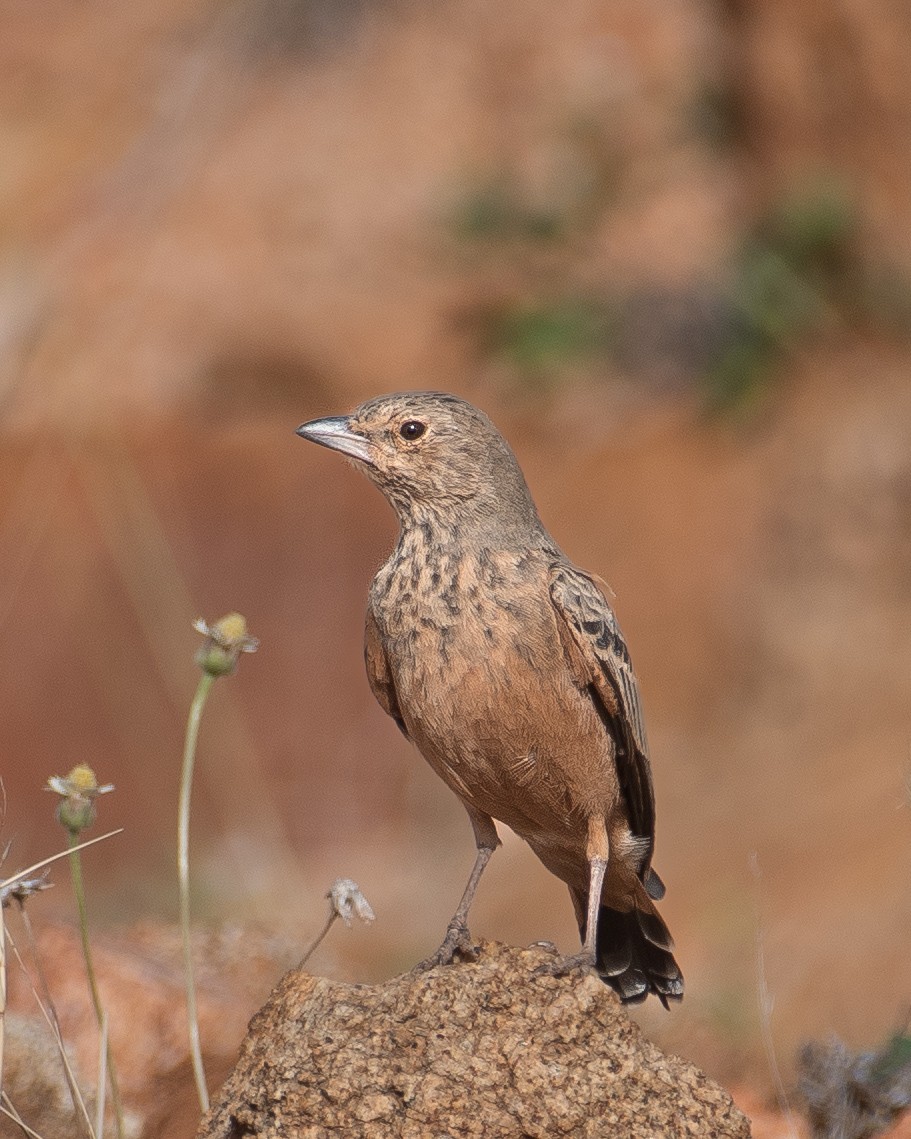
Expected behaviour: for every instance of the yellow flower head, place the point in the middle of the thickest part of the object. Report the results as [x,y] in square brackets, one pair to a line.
[77,791]
[225,641]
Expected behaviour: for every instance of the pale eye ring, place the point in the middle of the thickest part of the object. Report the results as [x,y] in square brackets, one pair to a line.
[412,429]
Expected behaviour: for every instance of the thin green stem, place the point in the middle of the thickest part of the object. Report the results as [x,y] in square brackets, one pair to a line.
[79,891]
[183,876]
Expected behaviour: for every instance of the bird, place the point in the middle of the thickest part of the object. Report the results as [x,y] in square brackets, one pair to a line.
[504,664]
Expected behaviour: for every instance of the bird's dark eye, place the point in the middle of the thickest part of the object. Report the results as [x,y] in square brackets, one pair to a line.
[412,429]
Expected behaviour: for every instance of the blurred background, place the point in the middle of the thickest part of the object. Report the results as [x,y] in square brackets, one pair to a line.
[666,245]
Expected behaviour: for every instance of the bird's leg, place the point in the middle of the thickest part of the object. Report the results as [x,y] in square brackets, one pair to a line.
[457,941]
[597,852]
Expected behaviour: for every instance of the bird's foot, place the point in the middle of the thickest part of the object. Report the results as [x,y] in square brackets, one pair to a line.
[458,942]
[562,966]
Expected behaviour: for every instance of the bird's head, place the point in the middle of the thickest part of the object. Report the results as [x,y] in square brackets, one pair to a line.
[435,457]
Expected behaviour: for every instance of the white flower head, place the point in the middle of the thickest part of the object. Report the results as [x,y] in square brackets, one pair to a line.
[346,900]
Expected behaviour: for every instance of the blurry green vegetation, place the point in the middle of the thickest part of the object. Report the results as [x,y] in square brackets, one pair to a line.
[772,305]
[542,338]
[893,1058]
[800,270]
[496,211]
[540,219]
[577,182]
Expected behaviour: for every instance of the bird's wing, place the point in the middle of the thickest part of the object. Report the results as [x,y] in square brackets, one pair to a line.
[378,672]
[600,661]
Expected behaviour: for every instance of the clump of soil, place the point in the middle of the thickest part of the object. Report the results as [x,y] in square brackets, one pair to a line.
[485,1048]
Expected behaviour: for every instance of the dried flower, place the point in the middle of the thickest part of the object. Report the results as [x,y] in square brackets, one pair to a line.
[78,792]
[346,899]
[225,641]
[21,888]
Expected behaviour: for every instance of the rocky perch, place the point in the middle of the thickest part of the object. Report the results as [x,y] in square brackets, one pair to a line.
[484,1048]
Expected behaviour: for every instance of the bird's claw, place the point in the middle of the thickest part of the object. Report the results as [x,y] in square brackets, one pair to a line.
[562,966]
[458,942]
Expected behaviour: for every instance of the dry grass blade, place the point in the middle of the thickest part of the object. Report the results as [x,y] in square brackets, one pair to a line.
[29,870]
[766,1004]
[7,1109]
[2,989]
[49,1013]
[2,943]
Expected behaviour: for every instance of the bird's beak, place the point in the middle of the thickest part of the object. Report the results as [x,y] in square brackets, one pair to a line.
[336,433]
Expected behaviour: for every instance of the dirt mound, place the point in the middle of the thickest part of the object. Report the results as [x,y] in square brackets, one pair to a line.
[479,1049]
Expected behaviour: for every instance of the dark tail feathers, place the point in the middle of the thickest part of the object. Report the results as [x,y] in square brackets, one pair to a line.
[635,955]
